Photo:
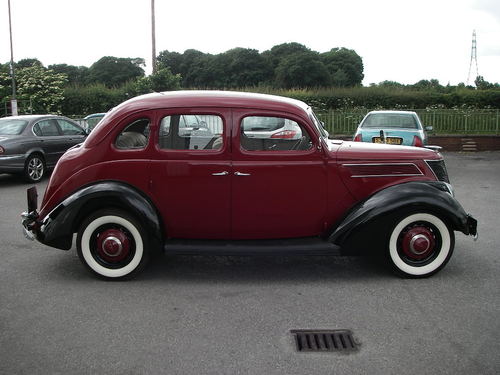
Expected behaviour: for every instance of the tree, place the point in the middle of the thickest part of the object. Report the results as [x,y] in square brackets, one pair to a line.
[77,75]
[302,69]
[43,86]
[344,63]
[171,60]
[162,80]
[276,54]
[481,84]
[26,63]
[115,71]
[240,67]
[425,84]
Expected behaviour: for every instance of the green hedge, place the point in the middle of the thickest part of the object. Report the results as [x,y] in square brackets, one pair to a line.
[98,98]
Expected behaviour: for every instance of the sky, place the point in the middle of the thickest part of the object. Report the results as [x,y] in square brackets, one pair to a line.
[398,40]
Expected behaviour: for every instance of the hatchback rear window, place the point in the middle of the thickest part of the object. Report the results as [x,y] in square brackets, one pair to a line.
[12,127]
[390,120]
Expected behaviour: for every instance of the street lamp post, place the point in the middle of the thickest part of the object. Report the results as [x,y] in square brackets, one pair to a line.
[13,101]
[153,37]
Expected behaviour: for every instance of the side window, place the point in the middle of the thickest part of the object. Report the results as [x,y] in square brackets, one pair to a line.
[134,136]
[68,128]
[260,133]
[46,128]
[191,132]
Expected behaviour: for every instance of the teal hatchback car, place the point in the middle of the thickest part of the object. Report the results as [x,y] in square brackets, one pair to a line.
[392,127]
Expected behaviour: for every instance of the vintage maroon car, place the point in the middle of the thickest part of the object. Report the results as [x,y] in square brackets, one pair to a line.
[237,173]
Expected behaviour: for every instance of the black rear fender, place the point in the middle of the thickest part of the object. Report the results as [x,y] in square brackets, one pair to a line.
[58,226]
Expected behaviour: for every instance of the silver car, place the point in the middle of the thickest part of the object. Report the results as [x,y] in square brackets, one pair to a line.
[32,144]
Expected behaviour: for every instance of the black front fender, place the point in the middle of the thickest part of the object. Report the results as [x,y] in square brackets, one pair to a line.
[380,208]
[57,228]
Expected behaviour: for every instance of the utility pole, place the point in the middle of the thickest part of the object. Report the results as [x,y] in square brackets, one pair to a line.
[153,37]
[13,102]
[473,56]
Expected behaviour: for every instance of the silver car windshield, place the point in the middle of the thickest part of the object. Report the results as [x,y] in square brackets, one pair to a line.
[12,127]
[390,120]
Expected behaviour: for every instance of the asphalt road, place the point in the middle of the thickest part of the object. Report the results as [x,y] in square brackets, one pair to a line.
[232,315]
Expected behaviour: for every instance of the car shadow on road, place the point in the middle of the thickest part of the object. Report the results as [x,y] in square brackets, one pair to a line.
[237,269]
[270,268]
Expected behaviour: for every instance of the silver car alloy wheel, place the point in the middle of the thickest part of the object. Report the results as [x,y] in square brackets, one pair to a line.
[35,168]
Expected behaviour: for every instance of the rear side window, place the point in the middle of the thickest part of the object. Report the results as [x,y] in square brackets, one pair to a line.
[46,128]
[134,136]
[262,133]
[191,132]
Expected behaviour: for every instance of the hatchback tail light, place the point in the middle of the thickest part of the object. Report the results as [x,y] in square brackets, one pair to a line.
[285,134]
[417,142]
[358,138]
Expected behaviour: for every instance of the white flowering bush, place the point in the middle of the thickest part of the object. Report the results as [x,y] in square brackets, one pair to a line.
[43,86]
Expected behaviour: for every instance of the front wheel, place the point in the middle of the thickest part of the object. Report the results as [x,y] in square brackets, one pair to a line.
[112,244]
[420,245]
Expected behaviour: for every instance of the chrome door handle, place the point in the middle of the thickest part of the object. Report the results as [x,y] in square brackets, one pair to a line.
[241,174]
[225,173]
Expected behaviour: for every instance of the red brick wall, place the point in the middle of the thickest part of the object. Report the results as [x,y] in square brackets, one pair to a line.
[466,143]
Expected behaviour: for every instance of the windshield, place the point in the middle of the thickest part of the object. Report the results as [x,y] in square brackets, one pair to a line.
[12,127]
[390,120]
[318,124]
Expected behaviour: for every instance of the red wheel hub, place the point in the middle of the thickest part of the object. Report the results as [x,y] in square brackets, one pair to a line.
[418,243]
[113,245]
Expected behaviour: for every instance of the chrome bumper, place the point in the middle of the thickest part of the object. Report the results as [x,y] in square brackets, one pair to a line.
[28,221]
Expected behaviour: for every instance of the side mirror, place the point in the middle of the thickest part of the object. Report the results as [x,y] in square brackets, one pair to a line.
[428,128]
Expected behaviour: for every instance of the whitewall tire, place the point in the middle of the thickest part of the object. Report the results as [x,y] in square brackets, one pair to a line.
[112,244]
[420,244]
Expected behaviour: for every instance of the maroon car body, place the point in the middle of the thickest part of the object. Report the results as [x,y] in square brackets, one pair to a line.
[199,182]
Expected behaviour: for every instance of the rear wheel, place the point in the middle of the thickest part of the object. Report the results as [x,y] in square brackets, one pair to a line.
[112,244]
[420,244]
[34,168]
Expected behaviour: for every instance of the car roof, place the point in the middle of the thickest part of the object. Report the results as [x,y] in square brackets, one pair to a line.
[395,112]
[94,115]
[194,98]
[30,117]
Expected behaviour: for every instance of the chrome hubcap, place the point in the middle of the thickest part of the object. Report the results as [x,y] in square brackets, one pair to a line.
[113,245]
[417,242]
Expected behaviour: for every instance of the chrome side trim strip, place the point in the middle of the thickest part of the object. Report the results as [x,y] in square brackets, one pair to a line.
[385,175]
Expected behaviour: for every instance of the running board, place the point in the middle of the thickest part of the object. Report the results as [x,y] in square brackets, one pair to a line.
[301,246]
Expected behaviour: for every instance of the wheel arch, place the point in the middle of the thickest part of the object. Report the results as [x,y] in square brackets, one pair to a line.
[373,215]
[58,227]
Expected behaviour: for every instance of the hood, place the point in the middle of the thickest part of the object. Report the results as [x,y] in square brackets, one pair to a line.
[364,151]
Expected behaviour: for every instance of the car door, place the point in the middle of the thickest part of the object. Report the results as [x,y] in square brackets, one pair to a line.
[279,182]
[191,172]
[50,140]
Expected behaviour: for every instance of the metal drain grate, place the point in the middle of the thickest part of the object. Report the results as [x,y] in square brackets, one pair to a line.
[324,340]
